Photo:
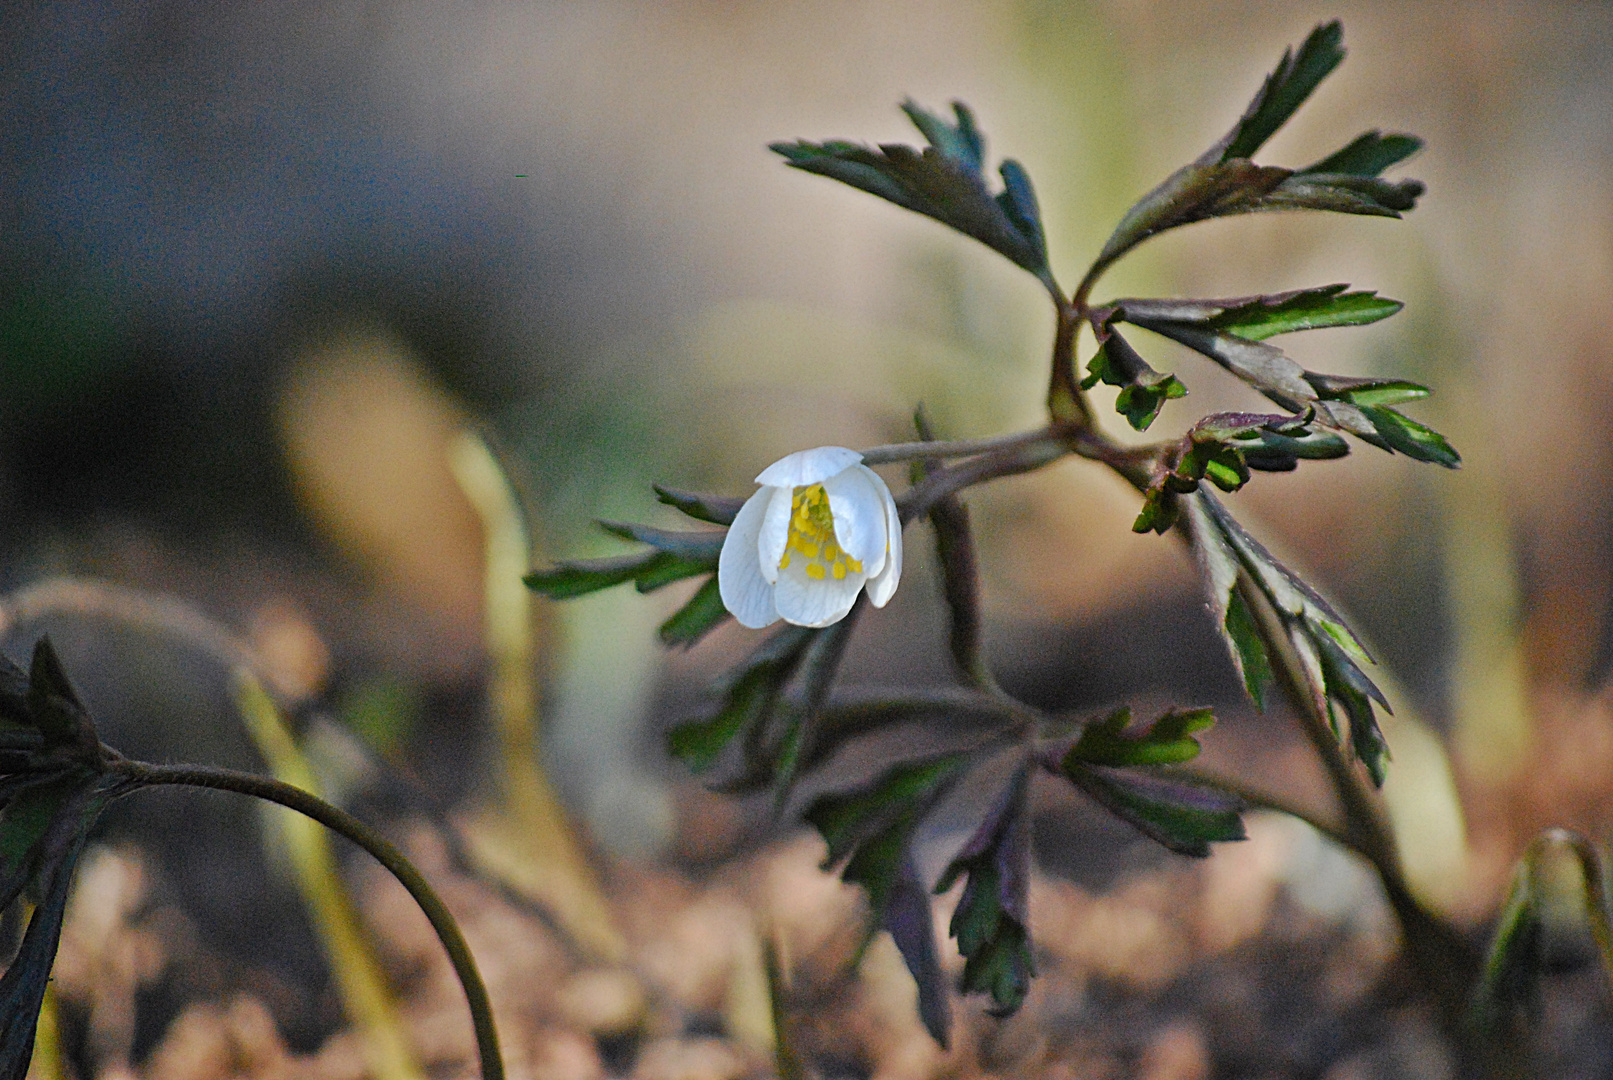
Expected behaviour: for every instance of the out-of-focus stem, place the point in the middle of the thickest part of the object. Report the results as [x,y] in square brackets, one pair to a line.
[143,774]
[359,978]
[565,878]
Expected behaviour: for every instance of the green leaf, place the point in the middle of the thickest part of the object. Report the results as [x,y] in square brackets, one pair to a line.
[1368,154]
[990,920]
[1144,391]
[73,805]
[1340,193]
[1248,651]
[1560,883]
[1369,391]
[1261,317]
[871,831]
[1192,193]
[698,617]
[1284,91]
[896,799]
[717,509]
[1185,817]
[1168,741]
[1414,440]
[749,695]
[944,181]
[1265,367]
[672,556]
[54,706]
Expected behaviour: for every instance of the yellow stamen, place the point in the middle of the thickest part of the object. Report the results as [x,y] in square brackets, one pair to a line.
[815,571]
[812,536]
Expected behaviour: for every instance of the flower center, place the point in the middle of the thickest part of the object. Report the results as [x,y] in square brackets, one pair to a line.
[812,537]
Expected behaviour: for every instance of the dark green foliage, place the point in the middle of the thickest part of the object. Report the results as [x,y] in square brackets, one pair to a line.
[702,613]
[870,830]
[1223,181]
[991,920]
[52,790]
[717,509]
[1222,448]
[672,556]
[1143,392]
[1285,90]
[1327,649]
[1167,741]
[749,693]
[1362,407]
[944,181]
[1184,816]
[1560,880]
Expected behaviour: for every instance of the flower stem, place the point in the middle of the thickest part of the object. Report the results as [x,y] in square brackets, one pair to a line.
[143,774]
[911,451]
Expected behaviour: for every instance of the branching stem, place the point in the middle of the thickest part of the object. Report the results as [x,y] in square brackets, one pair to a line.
[142,774]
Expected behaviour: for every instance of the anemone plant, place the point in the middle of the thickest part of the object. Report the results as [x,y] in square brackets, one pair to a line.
[806,548]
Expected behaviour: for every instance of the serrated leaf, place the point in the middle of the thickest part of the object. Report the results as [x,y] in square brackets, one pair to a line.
[1167,741]
[749,693]
[1192,193]
[1349,686]
[717,509]
[1283,92]
[991,919]
[572,578]
[944,181]
[1368,154]
[1144,391]
[1185,817]
[703,613]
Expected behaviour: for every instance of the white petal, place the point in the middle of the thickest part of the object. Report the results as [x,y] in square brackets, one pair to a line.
[739,576]
[775,532]
[806,602]
[857,500]
[882,585]
[808,466]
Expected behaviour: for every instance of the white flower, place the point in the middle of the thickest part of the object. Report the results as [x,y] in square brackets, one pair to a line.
[823,527]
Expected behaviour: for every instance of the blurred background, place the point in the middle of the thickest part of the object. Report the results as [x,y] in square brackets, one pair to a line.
[259,264]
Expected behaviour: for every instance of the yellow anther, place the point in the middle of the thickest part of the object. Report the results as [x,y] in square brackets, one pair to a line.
[815,571]
[782,563]
[840,570]
[809,549]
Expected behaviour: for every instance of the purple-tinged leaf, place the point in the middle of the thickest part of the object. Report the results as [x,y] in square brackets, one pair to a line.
[1283,92]
[1167,741]
[908,917]
[1185,817]
[991,921]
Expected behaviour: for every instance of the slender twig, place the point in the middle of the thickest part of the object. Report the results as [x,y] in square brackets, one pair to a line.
[143,774]
[910,451]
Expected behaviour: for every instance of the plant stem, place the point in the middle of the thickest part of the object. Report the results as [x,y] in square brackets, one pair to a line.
[909,451]
[143,774]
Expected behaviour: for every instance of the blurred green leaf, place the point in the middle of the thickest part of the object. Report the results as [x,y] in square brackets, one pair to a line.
[991,918]
[703,613]
[673,556]
[54,705]
[717,509]
[1237,625]
[870,830]
[944,181]
[1167,741]
[749,693]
